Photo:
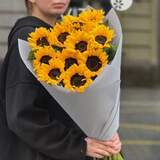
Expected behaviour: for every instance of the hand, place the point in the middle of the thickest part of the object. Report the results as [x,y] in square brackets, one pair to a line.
[114,143]
[99,149]
[96,148]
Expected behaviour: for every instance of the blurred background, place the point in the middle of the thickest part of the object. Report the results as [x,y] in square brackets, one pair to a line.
[140,96]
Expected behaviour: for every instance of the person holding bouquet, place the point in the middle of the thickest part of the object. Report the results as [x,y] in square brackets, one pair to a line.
[33,126]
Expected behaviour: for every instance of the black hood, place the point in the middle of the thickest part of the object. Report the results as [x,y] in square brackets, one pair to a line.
[29,21]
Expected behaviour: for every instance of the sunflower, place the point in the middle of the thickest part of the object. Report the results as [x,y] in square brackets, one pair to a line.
[103,35]
[77,78]
[89,26]
[39,38]
[52,73]
[80,41]
[70,57]
[92,15]
[76,24]
[56,45]
[60,32]
[73,22]
[58,36]
[95,61]
[69,19]
[43,56]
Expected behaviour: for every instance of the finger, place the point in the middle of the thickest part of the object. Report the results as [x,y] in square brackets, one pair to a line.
[112,143]
[117,151]
[112,151]
[97,155]
[108,149]
[108,143]
[98,147]
[117,144]
[118,147]
[114,139]
[116,136]
[101,141]
[102,152]
[101,146]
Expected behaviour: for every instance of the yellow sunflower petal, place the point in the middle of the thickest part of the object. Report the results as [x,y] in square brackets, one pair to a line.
[80,41]
[73,22]
[103,35]
[52,73]
[39,38]
[77,78]
[92,15]
[70,57]
[95,61]
[59,34]
[43,56]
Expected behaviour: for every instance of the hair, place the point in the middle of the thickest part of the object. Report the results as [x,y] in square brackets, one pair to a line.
[28,6]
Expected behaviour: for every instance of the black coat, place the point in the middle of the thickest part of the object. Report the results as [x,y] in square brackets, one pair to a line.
[32,124]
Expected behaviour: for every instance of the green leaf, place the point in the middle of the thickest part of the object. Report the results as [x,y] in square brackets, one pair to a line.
[106,23]
[31,55]
[110,52]
[114,157]
[117,157]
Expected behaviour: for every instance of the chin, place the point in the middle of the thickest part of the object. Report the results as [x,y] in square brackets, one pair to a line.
[58,11]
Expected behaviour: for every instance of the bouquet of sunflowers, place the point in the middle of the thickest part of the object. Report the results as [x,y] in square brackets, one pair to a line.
[74,52]
[78,62]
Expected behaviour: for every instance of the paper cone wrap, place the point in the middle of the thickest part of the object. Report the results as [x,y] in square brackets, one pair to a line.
[96,111]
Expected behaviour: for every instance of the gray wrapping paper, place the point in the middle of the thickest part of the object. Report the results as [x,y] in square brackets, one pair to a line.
[96,111]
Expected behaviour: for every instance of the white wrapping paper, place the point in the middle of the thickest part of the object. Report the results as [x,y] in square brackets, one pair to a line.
[96,111]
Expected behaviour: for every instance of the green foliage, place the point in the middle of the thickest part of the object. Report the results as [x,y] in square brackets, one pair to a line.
[31,55]
[111,52]
[115,157]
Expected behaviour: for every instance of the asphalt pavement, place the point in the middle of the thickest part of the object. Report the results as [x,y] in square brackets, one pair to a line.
[140,123]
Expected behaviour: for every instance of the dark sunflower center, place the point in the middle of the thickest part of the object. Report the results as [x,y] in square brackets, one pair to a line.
[42,42]
[94,77]
[57,48]
[62,37]
[69,62]
[78,25]
[45,59]
[81,46]
[61,83]
[78,80]
[77,28]
[92,19]
[94,63]
[101,39]
[54,73]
